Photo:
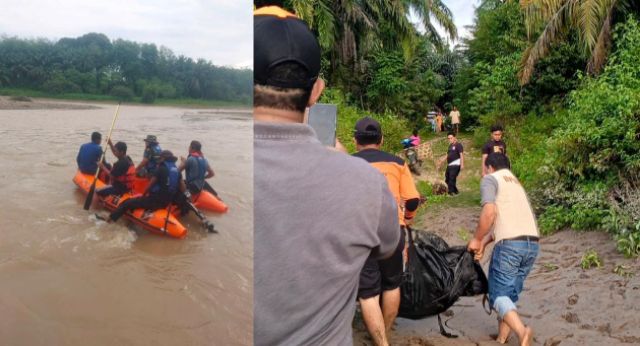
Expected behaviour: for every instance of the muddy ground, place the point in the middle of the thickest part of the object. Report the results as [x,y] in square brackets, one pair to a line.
[8,102]
[563,303]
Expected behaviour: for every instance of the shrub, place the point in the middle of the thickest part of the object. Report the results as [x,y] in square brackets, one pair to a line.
[122,93]
[590,259]
[394,128]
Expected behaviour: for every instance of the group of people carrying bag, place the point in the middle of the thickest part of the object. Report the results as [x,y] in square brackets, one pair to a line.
[329,228]
[165,185]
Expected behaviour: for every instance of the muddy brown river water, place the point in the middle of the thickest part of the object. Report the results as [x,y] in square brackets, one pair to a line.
[69,279]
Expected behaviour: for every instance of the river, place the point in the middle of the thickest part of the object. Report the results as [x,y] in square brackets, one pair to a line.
[69,279]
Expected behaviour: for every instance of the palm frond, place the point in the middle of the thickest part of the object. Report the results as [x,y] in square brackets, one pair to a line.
[443,15]
[603,43]
[589,22]
[555,28]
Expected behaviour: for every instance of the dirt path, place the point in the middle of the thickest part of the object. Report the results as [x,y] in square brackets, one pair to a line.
[563,303]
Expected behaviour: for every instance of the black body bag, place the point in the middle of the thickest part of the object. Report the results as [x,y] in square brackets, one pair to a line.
[436,276]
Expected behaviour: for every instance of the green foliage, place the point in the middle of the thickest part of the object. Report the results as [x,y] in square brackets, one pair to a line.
[623,271]
[92,64]
[394,128]
[595,149]
[122,93]
[424,188]
[590,259]
[554,218]
[628,241]
[409,89]
[498,31]
[464,234]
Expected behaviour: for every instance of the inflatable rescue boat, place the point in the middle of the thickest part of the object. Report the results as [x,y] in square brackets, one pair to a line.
[204,200]
[160,221]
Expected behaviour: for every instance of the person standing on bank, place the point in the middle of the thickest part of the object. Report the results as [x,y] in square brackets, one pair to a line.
[196,168]
[506,211]
[455,163]
[455,120]
[318,213]
[382,278]
[493,145]
[439,122]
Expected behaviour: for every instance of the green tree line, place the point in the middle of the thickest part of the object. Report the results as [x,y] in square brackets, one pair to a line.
[94,64]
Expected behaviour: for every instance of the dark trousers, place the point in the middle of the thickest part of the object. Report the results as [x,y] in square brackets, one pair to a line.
[110,190]
[146,202]
[450,177]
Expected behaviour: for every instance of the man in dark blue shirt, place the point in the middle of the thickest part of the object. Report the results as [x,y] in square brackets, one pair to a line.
[90,154]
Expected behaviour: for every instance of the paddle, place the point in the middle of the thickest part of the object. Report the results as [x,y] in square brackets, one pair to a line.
[92,190]
[210,189]
[206,223]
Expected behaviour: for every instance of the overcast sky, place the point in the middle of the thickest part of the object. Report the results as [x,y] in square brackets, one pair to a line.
[217,30]
[463,13]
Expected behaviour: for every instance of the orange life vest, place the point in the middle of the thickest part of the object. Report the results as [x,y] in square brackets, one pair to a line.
[127,178]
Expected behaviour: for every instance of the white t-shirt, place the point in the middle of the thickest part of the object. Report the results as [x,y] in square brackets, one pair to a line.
[455,117]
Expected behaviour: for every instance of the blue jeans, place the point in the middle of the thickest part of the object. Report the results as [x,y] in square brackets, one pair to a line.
[510,264]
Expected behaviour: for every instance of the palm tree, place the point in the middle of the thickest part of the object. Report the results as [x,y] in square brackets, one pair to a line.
[350,27]
[434,9]
[591,19]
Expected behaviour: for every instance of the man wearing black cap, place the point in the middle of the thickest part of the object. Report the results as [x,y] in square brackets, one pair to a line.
[159,194]
[318,213]
[383,277]
[150,157]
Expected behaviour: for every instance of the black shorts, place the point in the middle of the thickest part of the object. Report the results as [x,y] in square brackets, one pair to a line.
[381,275]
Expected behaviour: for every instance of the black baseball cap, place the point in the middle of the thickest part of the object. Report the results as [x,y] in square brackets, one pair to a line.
[281,37]
[168,155]
[367,127]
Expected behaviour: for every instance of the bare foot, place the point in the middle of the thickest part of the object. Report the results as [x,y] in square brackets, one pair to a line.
[502,341]
[527,337]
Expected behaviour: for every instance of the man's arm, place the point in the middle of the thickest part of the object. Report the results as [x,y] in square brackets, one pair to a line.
[142,163]
[409,194]
[484,169]
[110,143]
[210,172]
[488,191]
[183,164]
[487,218]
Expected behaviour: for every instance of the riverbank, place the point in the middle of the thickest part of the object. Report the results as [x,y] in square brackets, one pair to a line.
[563,303]
[23,102]
[92,98]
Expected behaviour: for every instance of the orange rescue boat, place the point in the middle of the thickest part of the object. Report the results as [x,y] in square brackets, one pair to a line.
[159,221]
[204,200]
